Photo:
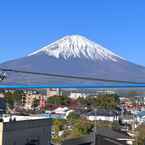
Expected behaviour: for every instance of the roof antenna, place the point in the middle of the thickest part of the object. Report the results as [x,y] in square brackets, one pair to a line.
[3,76]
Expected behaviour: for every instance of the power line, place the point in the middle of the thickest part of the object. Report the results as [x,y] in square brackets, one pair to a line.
[70,76]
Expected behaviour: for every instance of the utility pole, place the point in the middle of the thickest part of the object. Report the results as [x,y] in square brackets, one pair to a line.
[59,91]
[133,129]
[95,125]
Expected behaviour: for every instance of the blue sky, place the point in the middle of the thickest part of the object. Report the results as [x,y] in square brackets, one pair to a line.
[27,25]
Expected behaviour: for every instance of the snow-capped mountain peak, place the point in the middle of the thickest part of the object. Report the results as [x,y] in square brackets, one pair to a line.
[76,46]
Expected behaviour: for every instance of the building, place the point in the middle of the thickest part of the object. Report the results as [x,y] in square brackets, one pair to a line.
[76,95]
[29,99]
[42,103]
[140,117]
[25,130]
[2,106]
[41,95]
[64,111]
[108,136]
[53,92]
[104,136]
[101,114]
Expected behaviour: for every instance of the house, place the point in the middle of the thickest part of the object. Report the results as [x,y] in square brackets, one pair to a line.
[63,111]
[104,115]
[140,117]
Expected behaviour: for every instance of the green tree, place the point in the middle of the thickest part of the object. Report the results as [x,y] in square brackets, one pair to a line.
[18,96]
[14,98]
[140,135]
[107,101]
[88,102]
[80,128]
[115,125]
[9,100]
[72,117]
[58,100]
[57,126]
[103,124]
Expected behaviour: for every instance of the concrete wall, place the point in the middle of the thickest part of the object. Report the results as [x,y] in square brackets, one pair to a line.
[21,132]
[1,133]
[85,140]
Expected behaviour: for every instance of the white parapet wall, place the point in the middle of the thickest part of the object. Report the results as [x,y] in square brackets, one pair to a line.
[21,132]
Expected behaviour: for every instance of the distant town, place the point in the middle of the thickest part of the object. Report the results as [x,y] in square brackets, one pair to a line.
[72,117]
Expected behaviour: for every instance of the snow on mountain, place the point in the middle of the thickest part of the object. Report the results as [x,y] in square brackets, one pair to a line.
[76,46]
[75,56]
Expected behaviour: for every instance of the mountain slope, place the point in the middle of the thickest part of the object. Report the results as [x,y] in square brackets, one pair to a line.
[73,55]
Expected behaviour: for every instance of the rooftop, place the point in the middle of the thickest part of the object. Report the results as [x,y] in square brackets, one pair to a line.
[22,118]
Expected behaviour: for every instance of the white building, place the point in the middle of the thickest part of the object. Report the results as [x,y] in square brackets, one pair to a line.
[74,95]
[64,111]
[83,94]
[102,115]
[25,130]
[53,92]
[102,118]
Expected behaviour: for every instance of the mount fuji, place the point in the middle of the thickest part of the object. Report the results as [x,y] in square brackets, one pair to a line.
[72,55]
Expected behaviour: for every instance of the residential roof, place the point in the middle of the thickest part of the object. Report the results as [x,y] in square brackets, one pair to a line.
[141,114]
[110,133]
[102,112]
